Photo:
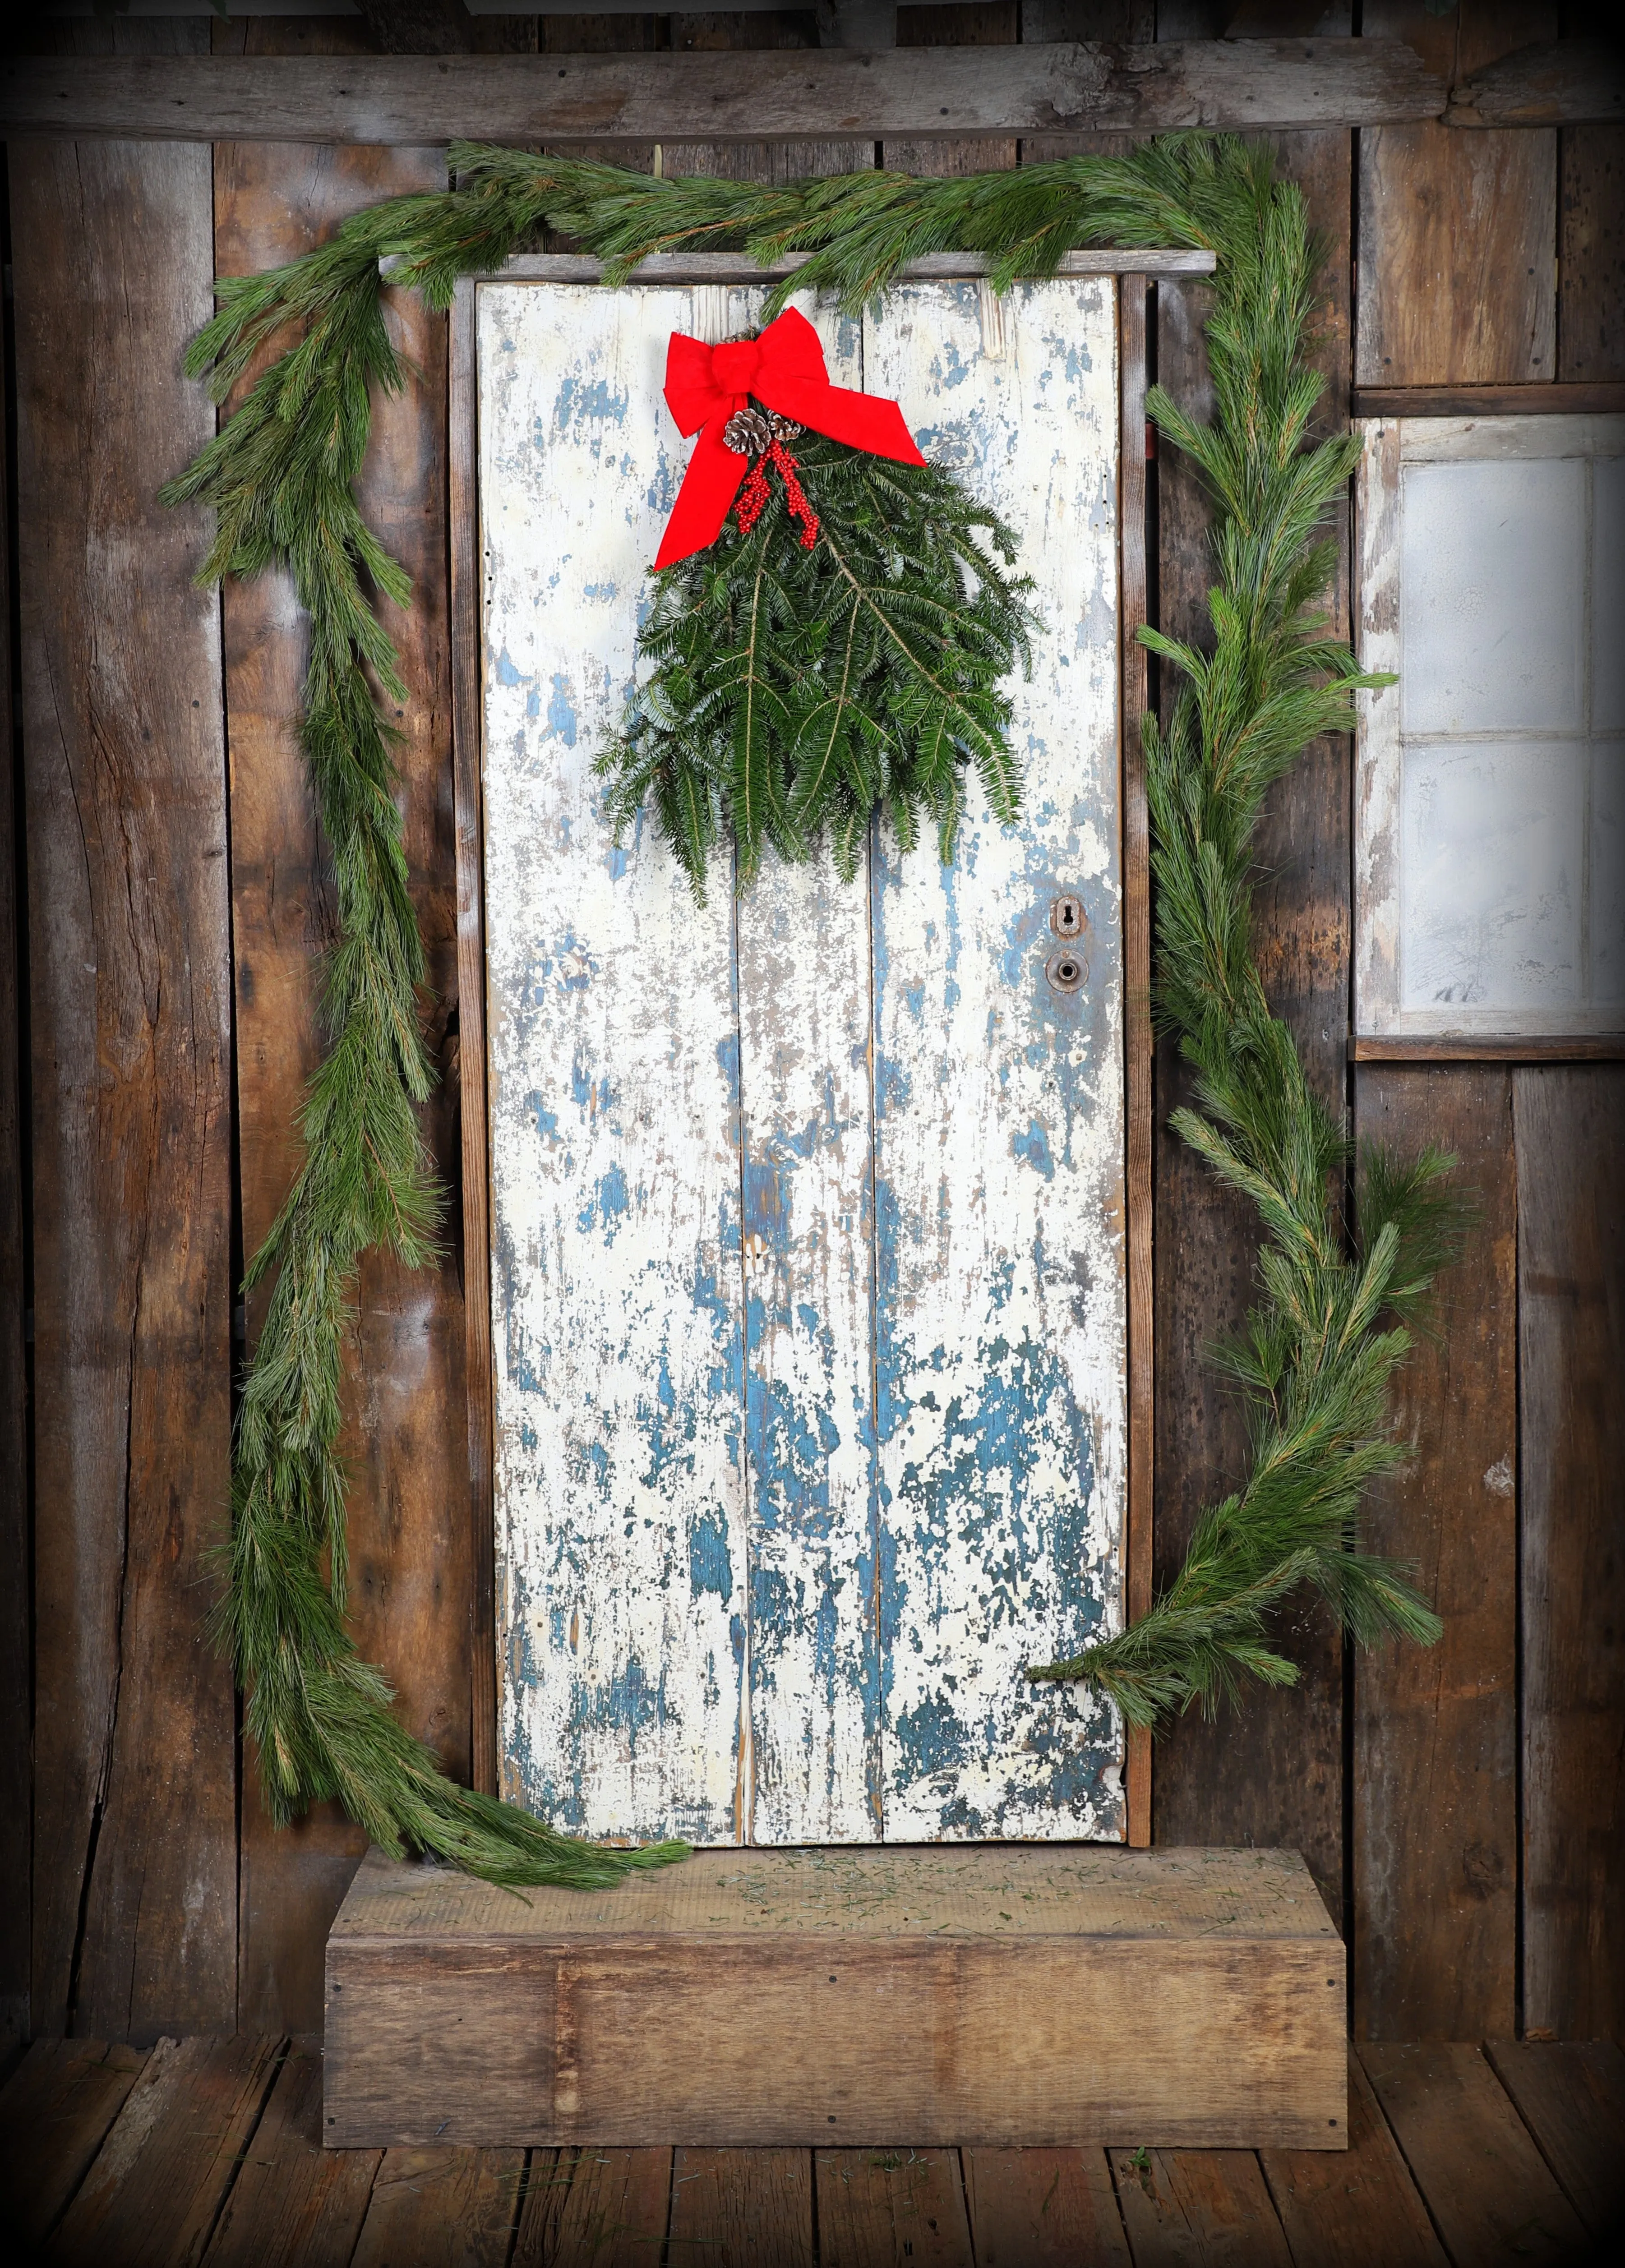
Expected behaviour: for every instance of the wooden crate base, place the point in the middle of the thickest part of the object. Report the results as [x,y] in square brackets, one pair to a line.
[1003,1994]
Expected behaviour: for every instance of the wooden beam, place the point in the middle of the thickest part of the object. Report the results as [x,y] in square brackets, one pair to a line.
[1564,83]
[775,1999]
[786,94]
[1594,398]
[1486,1047]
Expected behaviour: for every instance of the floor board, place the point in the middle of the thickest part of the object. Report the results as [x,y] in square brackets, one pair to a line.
[1492,2196]
[608,2208]
[1572,2099]
[161,2178]
[1182,2206]
[1349,2211]
[1042,2209]
[742,2208]
[293,2204]
[886,2208]
[55,2113]
[441,2209]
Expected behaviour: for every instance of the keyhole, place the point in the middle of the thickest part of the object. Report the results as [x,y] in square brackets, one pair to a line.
[1066,916]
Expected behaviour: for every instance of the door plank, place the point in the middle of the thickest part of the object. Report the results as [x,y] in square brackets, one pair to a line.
[594,2209]
[1044,2209]
[55,2111]
[1344,2212]
[293,2204]
[441,2208]
[134,1766]
[1569,1124]
[152,2198]
[614,1112]
[1571,2097]
[742,2209]
[1000,1327]
[1490,2191]
[806,1131]
[892,2209]
[1181,2206]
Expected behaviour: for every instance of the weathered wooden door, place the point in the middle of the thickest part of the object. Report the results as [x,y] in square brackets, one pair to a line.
[807,1223]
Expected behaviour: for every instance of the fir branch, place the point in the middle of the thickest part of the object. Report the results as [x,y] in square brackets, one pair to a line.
[279,478]
[794,690]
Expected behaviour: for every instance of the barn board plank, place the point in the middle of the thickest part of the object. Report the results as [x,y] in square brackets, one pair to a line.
[411,1574]
[1194,1997]
[124,779]
[742,2208]
[15,1761]
[1590,296]
[55,2111]
[1185,2206]
[806,1129]
[940,92]
[441,2209]
[1568,1126]
[1457,231]
[1281,1781]
[594,2209]
[1042,2209]
[888,2207]
[1571,2097]
[1435,1825]
[152,2198]
[1000,1323]
[618,1310]
[293,2204]
[988,24]
[709,34]
[1490,2193]
[1344,2213]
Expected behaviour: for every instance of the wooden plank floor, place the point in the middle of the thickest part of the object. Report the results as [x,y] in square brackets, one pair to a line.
[207,2152]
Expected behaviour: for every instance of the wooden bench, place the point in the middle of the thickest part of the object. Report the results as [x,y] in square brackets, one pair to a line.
[1030,1994]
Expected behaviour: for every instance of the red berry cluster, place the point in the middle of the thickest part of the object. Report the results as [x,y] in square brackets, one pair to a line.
[753,496]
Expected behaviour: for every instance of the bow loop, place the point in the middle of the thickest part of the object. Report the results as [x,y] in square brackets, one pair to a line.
[785,368]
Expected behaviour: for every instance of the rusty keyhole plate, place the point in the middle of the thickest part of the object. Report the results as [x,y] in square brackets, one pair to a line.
[1067,969]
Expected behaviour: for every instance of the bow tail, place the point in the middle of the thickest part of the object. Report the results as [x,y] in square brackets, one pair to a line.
[869,422]
[709,487]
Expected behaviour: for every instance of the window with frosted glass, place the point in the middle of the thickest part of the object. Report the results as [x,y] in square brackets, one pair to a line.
[1490,866]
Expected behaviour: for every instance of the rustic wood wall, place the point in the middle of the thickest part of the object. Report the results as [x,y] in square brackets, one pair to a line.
[164,897]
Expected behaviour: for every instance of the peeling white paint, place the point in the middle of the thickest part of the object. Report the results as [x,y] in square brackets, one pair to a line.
[769,1566]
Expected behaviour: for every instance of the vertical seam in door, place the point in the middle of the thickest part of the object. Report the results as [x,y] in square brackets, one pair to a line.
[744,1780]
[877,1779]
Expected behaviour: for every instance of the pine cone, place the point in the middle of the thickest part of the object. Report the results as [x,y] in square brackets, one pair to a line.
[748,432]
[785,429]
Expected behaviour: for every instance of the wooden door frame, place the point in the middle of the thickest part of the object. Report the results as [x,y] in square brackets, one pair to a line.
[1132,273]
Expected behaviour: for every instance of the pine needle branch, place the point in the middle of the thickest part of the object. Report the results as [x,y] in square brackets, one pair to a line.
[279,479]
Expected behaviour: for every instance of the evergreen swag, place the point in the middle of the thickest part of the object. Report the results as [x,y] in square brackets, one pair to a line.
[798,687]
[1338,1294]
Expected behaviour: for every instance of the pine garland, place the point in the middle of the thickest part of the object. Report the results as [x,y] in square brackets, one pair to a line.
[1333,1321]
[798,688]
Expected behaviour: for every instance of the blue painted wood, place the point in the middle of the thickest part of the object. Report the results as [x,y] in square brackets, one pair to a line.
[807,1288]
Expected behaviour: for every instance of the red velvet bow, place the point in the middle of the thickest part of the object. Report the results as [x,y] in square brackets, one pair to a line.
[784,370]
